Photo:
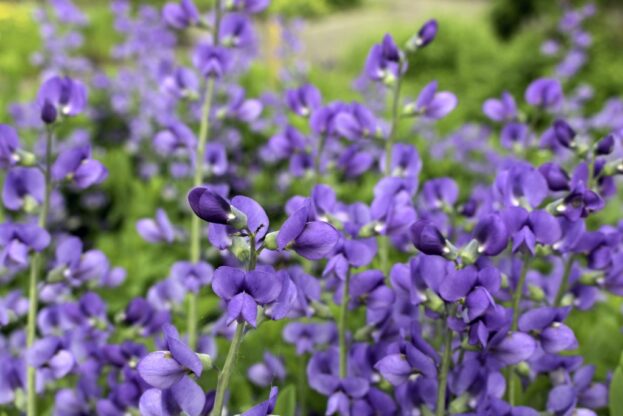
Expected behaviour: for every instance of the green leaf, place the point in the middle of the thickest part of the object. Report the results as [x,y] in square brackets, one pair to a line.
[616,391]
[286,401]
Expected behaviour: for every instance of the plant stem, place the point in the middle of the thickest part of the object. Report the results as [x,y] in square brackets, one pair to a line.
[565,281]
[383,239]
[512,378]
[321,142]
[445,366]
[225,375]
[302,384]
[342,326]
[394,126]
[195,226]
[35,269]
[519,292]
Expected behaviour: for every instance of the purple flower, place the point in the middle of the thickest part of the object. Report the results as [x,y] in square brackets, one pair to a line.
[77,166]
[163,369]
[240,108]
[564,133]
[303,100]
[492,235]
[428,239]
[514,134]
[156,230]
[9,144]
[181,83]
[529,229]
[182,15]
[236,31]
[244,291]
[249,6]
[63,95]
[557,178]
[192,276]
[308,336]
[425,35]
[385,62]
[213,208]
[268,371]
[264,408]
[313,240]
[432,104]
[504,109]
[176,137]
[23,188]
[211,61]
[545,92]
[404,362]
[545,323]
[356,122]
[513,348]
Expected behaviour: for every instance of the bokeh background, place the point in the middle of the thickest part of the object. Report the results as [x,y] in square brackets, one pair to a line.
[483,48]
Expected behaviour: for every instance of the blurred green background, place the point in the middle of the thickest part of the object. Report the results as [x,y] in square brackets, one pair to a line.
[483,48]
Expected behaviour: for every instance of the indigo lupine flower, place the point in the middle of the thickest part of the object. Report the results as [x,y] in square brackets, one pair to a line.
[432,104]
[265,408]
[385,62]
[181,83]
[530,228]
[355,122]
[546,324]
[323,378]
[440,193]
[504,109]
[23,188]
[244,291]
[557,178]
[270,370]
[249,6]
[492,235]
[211,61]
[61,95]
[514,134]
[307,337]
[156,230]
[425,35]
[215,159]
[428,239]
[240,108]
[12,306]
[303,100]
[170,369]
[192,276]
[77,166]
[213,208]
[564,133]
[287,144]
[236,31]
[176,137]
[405,361]
[605,146]
[9,147]
[544,92]
[17,240]
[50,358]
[521,185]
[313,240]
[182,15]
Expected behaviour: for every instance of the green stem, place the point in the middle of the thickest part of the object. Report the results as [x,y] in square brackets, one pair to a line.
[383,240]
[445,367]
[195,225]
[562,289]
[519,292]
[321,143]
[392,130]
[512,378]
[342,326]
[225,375]
[35,269]
[302,384]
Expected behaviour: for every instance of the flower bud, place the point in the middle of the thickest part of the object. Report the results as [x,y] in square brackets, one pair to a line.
[206,360]
[48,113]
[425,35]
[605,146]
[24,158]
[564,133]
[270,241]
[536,293]
[240,248]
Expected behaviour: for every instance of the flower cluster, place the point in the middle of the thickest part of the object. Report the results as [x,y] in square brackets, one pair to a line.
[435,295]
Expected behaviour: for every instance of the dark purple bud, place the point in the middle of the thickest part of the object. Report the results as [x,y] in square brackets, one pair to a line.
[426,35]
[605,146]
[556,177]
[564,133]
[428,239]
[48,113]
[213,208]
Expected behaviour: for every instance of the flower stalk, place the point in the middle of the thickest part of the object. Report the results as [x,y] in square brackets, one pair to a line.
[343,319]
[35,269]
